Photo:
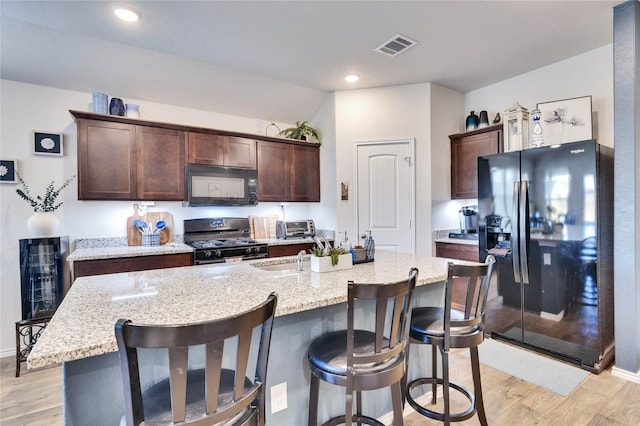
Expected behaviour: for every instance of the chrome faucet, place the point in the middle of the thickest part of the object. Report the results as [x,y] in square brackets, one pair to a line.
[301,254]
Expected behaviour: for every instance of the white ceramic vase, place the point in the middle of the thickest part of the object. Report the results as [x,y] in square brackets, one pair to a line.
[43,224]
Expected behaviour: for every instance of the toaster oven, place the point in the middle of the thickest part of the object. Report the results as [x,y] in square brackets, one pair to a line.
[295,228]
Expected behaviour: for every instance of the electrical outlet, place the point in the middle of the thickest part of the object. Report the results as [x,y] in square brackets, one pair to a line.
[278,397]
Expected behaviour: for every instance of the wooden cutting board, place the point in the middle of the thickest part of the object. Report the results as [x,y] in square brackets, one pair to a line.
[263,226]
[166,235]
[134,238]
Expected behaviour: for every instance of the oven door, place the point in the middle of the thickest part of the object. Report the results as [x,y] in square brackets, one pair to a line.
[221,186]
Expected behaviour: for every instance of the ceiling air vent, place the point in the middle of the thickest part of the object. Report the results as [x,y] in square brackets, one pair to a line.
[396,45]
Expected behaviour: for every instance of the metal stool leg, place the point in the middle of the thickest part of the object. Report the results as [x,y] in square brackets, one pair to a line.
[396,398]
[314,389]
[477,385]
[434,373]
[445,387]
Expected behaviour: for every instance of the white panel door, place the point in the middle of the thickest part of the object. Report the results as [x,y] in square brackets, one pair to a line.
[385,194]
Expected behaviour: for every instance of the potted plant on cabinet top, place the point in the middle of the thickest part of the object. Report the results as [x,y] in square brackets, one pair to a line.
[331,259]
[43,222]
[303,132]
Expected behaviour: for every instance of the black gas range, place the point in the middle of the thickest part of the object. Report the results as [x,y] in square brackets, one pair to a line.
[217,240]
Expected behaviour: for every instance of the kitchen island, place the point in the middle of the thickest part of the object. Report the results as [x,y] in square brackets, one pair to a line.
[81,333]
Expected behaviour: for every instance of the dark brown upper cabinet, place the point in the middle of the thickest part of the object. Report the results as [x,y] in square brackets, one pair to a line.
[120,161]
[122,158]
[222,150]
[288,172]
[465,150]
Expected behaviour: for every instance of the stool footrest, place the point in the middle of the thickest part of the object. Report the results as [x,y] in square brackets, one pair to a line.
[436,415]
[355,418]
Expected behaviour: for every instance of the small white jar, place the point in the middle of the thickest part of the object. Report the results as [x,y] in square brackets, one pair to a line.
[132,111]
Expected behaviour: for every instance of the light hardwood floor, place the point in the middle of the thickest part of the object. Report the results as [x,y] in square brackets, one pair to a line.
[35,399]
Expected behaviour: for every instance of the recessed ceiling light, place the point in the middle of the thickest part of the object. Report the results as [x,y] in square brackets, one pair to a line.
[127,13]
[352,78]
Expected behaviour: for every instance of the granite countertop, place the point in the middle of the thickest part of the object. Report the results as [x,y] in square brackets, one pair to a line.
[91,253]
[456,241]
[442,236]
[83,325]
[113,251]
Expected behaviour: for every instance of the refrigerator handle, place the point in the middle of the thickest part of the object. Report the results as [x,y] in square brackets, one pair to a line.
[515,233]
[522,224]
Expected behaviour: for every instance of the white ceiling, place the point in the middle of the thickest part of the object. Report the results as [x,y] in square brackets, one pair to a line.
[278,60]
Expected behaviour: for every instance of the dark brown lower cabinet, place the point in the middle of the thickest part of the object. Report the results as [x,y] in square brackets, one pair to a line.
[129,264]
[462,252]
[289,249]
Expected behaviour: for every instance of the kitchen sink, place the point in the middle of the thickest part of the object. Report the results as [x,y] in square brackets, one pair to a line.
[282,267]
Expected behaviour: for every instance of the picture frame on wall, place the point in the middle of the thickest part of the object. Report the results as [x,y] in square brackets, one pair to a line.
[47,143]
[8,170]
[566,120]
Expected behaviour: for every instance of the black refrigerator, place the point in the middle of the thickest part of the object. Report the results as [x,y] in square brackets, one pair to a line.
[546,214]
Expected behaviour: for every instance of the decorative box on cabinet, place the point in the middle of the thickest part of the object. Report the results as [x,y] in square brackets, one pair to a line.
[465,150]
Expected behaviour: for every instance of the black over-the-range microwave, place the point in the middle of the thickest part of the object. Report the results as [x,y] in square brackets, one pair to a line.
[221,186]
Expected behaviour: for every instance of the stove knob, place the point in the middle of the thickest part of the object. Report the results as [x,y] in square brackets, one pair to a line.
[256,250]
[207,254]
[218,253]
[248,251]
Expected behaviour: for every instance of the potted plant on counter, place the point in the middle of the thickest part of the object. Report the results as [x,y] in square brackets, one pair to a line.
[303,132]
[330,259]
[43,223]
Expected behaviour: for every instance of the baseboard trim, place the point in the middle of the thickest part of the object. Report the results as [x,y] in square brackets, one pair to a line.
[8,353]
[624,374]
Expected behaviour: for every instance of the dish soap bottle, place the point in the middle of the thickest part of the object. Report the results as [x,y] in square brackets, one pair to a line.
[345,244]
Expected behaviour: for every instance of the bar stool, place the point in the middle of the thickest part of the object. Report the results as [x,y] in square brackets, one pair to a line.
[28,332]
[445,328]
[368,358]
[200,396]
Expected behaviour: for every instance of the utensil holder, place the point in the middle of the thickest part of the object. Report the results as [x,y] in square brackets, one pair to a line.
[150,239]
[358,254]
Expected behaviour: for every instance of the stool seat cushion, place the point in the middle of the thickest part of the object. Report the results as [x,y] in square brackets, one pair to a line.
[157,398]
[329,351]
[429,321]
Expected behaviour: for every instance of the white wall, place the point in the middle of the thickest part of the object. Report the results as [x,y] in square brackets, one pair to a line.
[447,118]
[325,212]
[588,74]
[387,113]
[26,108]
